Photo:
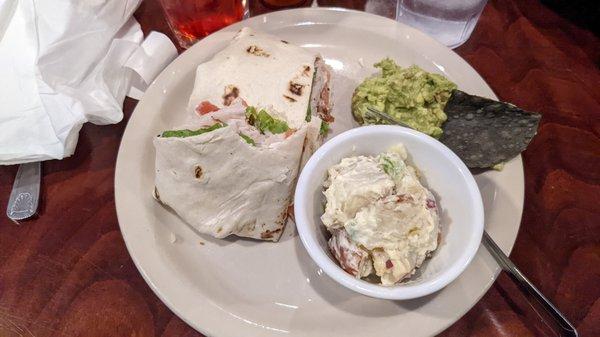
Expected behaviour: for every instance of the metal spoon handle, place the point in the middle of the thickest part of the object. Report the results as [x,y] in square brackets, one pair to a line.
[567,329]
[383,116]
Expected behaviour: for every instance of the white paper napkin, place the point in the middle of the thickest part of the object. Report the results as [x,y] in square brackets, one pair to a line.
[67,62]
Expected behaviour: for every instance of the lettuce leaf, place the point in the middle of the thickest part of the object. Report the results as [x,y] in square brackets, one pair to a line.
[247,139]
[324,128]
[189,133]
[264,122]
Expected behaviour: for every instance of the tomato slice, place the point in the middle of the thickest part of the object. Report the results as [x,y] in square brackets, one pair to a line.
[206,107]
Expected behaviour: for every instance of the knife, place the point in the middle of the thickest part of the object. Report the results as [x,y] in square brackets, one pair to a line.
[24,198]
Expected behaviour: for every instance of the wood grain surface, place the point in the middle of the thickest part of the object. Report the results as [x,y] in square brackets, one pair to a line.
[68,273]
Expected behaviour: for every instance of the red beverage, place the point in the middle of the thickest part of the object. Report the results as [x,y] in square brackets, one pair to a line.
[285,3]
[192,20]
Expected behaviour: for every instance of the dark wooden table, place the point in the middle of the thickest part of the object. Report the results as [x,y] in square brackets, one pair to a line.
[68,273]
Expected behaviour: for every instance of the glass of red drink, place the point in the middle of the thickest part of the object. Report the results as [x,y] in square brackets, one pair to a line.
[192,20]
[285,3]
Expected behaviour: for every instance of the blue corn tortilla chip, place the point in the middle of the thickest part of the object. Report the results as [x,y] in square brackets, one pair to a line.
[484,132]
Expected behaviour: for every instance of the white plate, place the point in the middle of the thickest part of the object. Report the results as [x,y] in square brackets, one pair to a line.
[248,288]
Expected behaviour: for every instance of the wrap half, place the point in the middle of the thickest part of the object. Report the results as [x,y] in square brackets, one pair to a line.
[266,71]
[259,110]
[231,179]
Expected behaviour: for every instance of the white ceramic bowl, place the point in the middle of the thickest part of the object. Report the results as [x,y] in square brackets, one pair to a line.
[457,194]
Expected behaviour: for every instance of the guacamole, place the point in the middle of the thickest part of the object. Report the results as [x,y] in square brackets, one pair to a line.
[409,95]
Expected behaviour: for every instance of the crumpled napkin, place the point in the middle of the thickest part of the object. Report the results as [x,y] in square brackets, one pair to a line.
[67,62]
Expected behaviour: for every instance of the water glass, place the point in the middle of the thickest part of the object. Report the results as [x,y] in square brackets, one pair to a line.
[451,22]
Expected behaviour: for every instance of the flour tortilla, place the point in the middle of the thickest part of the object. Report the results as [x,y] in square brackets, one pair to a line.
[221,185]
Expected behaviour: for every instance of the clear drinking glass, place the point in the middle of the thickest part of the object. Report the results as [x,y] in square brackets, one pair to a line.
[451,22]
